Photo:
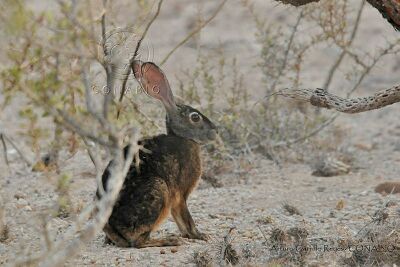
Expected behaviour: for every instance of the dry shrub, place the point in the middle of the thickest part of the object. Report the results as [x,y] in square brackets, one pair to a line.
[289,247]
[251,123]
[378,243]
[265,220]
[330,166]
[248,251]
[202,259]
[4,233]
[292,210]
[226,252]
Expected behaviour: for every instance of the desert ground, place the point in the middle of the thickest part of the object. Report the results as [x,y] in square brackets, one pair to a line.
[250,201]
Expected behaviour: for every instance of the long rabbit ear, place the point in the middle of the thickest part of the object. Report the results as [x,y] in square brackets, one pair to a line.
[154,82]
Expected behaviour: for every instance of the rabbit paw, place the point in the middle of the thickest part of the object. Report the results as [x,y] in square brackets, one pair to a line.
[198,235]
[107,241]
[172,241]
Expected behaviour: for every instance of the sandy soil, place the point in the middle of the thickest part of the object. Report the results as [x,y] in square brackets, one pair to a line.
[245,198]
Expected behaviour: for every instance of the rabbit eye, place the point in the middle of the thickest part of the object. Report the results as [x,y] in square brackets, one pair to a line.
[195,117]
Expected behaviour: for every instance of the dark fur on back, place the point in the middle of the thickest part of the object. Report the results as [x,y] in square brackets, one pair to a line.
[164,161]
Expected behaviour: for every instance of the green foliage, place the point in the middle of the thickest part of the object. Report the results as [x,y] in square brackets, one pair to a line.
[17,17]
[64,204]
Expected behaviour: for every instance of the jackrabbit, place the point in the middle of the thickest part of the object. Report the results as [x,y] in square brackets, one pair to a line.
[166,176]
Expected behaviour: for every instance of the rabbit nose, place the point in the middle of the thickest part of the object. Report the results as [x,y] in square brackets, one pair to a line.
[215,128]
[212,134]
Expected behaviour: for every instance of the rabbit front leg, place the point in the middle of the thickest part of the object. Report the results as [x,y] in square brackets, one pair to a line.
[184,220]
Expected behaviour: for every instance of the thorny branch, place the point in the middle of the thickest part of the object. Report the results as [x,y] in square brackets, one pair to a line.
[288,49]
[118,170]
[103,28]
[135,54]
[344,50]
[5,139]
[109,136]
[321,98]
[195,31]
[3,142]
[390,9]
[184,40]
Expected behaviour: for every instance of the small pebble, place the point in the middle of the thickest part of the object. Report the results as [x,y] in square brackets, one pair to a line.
[19,195]
[27,208]
[174,250]
[162,251]
[21,203]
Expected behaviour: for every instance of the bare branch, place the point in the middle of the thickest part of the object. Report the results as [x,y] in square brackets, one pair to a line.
[288,48]
[8,139]
[128,70]
[94,155]
[145,31]
[318,129]
[104,206]
[73,125]
[103,27]
[390,9]
[338,61]
[71,16]
[3,142]
[321,98]
[367,69]
[297,2]
[195,31]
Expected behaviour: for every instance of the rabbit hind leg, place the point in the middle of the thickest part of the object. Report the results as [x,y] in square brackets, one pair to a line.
[112,236]
[152,207]
[140,238]
[145,241]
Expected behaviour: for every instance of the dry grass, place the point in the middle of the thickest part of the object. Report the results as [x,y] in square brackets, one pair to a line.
[291,209]
[289,247]
[4,233]
[225,253]
[202,259]
[378,242]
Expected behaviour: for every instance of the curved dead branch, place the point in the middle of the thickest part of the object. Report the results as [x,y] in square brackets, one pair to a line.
[321,98]
[390,9]
[297,2]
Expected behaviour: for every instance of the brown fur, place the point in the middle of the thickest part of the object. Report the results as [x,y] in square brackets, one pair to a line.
[147,199]
[165,177]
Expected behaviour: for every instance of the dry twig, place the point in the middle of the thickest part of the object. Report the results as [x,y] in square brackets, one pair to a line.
[339,60]
[390,9]
[135,54]
[195,31]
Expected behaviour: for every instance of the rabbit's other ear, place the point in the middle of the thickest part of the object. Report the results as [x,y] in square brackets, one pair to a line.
[154,83]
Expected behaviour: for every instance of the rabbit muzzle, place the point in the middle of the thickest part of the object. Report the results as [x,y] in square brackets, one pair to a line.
[212,134]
